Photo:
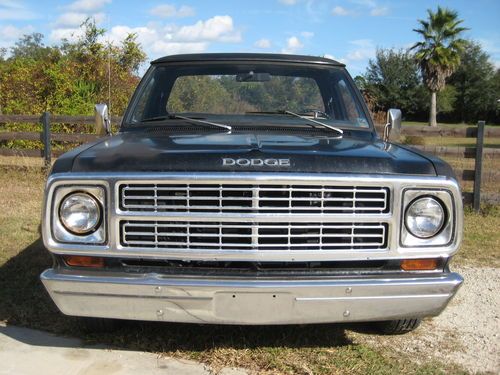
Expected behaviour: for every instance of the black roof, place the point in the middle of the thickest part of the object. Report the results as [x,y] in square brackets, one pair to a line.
[275,57]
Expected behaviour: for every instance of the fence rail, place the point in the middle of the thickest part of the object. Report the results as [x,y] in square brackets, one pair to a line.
[477,175]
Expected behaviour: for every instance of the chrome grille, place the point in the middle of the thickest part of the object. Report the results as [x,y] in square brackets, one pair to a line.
[232,198]
[252,236]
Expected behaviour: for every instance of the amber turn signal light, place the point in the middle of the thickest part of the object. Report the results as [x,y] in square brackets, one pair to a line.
[83,261]
[419,264]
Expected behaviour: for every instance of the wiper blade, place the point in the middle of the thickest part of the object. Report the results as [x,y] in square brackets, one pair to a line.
[340,131]
[174,116]
[198,121]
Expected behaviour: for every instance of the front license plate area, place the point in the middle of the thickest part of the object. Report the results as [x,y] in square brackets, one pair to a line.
[253,308]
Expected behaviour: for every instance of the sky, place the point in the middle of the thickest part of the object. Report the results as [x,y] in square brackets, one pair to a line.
[349,31]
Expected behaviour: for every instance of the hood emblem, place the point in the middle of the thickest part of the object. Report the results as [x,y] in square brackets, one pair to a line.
[227,162]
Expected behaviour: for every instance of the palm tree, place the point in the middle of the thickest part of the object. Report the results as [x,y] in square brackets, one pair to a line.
[438,54]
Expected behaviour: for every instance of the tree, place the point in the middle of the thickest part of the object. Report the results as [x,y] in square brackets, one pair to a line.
[438,54]
[495,115]
[394,81]
[30,46]
[131,54]
[473,81]
[71,78]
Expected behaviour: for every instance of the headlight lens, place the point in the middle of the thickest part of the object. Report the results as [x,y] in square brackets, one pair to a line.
[80,213]
[424,217]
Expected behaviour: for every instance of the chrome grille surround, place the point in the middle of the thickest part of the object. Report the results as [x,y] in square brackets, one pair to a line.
[392,219]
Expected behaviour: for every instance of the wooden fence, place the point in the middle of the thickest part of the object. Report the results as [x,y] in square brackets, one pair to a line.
[479,153]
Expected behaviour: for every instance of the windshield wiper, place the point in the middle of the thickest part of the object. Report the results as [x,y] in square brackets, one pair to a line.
[340,131]
[195,120]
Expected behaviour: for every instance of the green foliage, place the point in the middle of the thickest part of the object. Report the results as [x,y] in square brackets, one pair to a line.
[223,94]
[446,99]
[70,78]
[438,54]
[393,78]
[131,55]
[198,94]
[475,85]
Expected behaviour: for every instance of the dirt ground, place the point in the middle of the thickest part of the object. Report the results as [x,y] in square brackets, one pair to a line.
[466,333]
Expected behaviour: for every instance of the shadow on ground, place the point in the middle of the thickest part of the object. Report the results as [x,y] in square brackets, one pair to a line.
[24,302]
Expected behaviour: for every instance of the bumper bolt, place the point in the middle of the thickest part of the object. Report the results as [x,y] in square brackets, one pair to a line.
[348,290]
[158,289]
[159,312]
[347,313]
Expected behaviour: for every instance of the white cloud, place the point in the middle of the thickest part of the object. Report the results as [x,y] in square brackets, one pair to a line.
[340,60]
[9,34]
[152,38]
[307,34]
[75,19]
[69,33]
[361,7]
[340,11]
[217,28]
[67,25]
[363,49]
[15,11]
[170,11]
[491,46]
[379,11]
[357,56]
[160,39]
[365,3]
[288,2]
[263,43]
[87,5]
[293,44]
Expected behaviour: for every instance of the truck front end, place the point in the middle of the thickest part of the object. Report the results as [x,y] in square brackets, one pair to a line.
[251,189]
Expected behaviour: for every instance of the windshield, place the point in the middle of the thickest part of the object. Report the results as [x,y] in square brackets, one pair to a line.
[241,93]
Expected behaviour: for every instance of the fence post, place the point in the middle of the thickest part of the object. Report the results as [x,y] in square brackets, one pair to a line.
[479,165]
[47,152]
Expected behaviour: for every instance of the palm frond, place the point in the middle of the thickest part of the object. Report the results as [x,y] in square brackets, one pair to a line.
[438,53]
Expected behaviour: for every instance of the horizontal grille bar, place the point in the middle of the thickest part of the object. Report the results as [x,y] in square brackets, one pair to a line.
[231,198]
[252,236]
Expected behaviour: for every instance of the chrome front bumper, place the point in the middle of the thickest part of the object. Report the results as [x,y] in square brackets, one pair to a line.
[242,301]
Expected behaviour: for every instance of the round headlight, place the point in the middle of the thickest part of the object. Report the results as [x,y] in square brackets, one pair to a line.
[424,217]
[80,213]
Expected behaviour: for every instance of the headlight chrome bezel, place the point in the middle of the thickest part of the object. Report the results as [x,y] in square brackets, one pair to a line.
[445,235]
[61,233]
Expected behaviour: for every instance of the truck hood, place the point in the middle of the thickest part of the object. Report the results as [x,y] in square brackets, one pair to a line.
[142,151]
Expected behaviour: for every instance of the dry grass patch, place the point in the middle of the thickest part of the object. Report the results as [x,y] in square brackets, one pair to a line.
[481,243]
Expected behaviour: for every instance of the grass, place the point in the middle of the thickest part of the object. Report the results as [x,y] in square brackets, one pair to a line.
[481,243]
[440,124]
[449,141]
[491,166]
[316,349]
[461,142]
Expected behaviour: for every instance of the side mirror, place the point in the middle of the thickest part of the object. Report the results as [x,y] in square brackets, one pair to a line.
[393,123]
[102,120]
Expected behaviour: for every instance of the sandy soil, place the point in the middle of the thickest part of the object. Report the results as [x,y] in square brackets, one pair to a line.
[467,332]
